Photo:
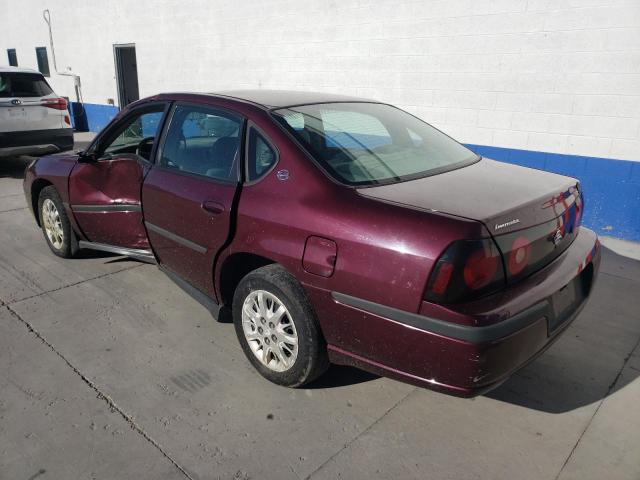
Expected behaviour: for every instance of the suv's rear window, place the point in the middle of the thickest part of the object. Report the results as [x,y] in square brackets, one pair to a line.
[363,144]
[14,84]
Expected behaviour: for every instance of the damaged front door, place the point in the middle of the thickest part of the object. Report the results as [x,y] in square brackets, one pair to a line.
[105,185]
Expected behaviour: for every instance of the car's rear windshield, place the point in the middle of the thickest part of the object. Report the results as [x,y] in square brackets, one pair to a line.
[17,84]
[363,144]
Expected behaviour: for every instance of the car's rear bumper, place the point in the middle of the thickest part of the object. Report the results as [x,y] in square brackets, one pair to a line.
[487,343]
[37,142]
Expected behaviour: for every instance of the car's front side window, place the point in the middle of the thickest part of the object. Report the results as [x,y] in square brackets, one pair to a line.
[137,134]
[203,141]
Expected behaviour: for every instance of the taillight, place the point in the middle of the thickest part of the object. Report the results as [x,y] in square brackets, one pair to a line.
[466,270]
[519,255]
[442,278]
[55,103]
[479,269]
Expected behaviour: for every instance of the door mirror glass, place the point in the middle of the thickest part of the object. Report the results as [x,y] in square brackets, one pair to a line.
[86,157]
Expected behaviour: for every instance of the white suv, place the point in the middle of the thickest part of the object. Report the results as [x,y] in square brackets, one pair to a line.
[33,119]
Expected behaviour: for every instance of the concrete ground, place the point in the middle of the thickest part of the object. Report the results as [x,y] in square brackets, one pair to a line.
[109,371]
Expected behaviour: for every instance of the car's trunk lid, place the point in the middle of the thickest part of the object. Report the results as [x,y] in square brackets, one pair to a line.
[532,215]
[502,196]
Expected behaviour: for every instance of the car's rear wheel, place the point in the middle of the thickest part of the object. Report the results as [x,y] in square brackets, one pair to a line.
[55,224]
[277,327]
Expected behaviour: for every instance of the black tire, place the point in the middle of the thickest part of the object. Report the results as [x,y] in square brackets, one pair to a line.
[312,359]
[69,244]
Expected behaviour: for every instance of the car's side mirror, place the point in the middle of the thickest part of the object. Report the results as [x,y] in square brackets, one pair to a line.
[87,157]
[92,157]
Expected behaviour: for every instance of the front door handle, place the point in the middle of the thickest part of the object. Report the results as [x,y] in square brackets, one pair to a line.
[212,207]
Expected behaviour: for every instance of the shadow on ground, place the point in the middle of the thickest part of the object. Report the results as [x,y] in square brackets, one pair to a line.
[88,253]
[14,167]
[336,376]
[341,376]
[585,364]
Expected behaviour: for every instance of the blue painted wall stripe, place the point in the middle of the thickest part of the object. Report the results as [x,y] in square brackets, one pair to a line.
[611,187]
[91,117]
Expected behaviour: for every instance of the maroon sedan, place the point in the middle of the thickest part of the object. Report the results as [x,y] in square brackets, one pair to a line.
[336,229]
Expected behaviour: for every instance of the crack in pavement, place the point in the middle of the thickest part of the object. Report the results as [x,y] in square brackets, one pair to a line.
[101,395]
[53,290]
[350,442]
[609,390]
[615,275]
[13,209]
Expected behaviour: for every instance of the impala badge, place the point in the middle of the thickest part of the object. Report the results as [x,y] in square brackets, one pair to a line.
[498,226]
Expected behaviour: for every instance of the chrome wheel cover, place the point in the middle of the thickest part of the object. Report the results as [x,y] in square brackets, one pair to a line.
[52,224]
[269,330]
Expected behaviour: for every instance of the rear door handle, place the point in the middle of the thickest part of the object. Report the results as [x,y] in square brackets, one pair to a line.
[212,207]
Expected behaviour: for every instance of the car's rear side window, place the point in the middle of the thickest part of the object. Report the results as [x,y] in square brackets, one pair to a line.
[261,156]
[363,144]
[203,141]
[19,84]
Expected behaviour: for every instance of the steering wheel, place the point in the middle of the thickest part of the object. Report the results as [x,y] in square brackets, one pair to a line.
[143,149]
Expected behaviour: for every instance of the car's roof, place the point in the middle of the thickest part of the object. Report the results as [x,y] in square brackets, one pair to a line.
[4,68]
[286,98]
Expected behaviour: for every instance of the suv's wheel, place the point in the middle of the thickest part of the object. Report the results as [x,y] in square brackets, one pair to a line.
[55,224]
[277,327]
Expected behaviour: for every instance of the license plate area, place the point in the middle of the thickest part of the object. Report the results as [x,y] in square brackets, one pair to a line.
[17,112]
[564,302]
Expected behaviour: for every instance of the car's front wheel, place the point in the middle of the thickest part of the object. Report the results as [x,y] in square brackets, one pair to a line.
[55,224]
[277,327]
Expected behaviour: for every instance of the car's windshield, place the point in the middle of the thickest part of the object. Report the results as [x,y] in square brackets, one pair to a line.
[17,84]
[362,144]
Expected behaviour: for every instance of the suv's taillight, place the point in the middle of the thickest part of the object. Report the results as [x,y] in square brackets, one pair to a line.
[466,270]
[56,103]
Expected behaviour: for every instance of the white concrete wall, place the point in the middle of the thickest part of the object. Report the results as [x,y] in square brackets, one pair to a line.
[551,75]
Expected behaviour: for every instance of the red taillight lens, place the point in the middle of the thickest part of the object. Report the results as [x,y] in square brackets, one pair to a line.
[442,278]
[519,255]
[466,270]
[55,103]
[480,269]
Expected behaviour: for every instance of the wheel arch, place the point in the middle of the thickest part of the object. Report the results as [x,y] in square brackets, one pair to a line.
[38,185]
[234,268]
